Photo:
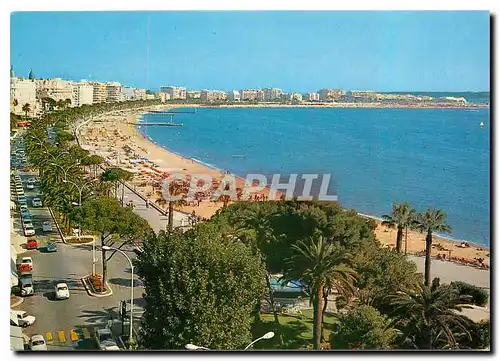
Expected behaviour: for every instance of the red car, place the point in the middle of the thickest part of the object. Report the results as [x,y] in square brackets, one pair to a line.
[32,244]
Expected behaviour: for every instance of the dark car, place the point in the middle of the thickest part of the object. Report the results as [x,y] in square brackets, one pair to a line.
[51,247]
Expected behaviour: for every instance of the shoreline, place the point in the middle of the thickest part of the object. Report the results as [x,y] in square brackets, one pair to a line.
[186,165]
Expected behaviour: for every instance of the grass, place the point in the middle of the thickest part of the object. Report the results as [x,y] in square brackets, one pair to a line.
[297,330]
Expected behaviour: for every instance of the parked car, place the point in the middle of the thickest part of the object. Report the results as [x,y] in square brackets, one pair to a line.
[26,284]
[26,262]
[36,202]
[47,226]
[29,230]
[37,343]
[32,243]
[51,247]
[21,199]
[25,213]
[30,185]
[105,340]
[21,318]
[62,291]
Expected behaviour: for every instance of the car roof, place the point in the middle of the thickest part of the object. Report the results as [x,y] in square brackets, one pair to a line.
[61,285]
[104,331]
[37,338]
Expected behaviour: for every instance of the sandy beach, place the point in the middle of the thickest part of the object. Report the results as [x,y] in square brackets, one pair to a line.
[116,138]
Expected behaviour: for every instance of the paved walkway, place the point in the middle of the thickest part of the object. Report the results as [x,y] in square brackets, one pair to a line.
[157,220]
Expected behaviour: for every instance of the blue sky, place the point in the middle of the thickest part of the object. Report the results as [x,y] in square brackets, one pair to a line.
[295,51]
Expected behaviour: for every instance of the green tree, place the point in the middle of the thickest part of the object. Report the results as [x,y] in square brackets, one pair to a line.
[114,223]
[381,271]
[402,217]
[431,221]
[428,316]
[363,328]
[200,289]
[317,263]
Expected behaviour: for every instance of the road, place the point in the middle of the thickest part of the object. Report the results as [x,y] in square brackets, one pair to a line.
[70,324]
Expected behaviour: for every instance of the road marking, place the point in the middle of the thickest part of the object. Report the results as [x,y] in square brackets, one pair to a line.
[73,335]
[86,333]
[62,336]
[48,337]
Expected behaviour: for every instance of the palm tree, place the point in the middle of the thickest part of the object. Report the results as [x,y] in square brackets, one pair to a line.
[26,109]
[431,221]
[401,218]
[318,263]
[428,316]
[177,188]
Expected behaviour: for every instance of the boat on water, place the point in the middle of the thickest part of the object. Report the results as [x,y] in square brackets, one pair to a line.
[481,124]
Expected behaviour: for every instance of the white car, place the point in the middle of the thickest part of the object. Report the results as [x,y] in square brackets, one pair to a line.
[37,343]
[62,291]
[27,260]
[30,186]
[29,230]
[36,202]
[46,226]
[21,318]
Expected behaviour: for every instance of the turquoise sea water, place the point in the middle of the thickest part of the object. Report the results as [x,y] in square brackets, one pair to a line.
[428,157]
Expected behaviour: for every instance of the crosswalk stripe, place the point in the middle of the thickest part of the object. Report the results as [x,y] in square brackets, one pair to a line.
[86,333]
[73,335]
[48,337]
[62,336]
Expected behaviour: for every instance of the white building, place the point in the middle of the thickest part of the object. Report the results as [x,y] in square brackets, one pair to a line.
[175,92]
[312,97]
[140,94]
[23,91]
[128,93]
[213,95]
[272,94]
[114,92]
[57,89]
[83,93]
[234,96]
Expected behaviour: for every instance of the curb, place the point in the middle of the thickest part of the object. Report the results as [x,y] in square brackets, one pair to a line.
[17,303]
[77,244]
[57,225]
[89,289]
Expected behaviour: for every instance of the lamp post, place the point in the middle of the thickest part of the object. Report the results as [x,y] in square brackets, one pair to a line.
[107,248]
[67,169]
[266,336]
[80,190]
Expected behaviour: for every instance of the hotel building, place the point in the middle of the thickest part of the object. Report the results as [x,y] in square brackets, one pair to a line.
[330,95]
[114,92]
[272,94]
[83,93]
[23,91]
[213,95]
[175,92]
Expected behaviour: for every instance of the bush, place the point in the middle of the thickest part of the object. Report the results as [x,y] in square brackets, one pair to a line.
[97,284]
[362,328]
[479,296]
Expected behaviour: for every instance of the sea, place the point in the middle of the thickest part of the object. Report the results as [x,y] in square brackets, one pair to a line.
[427,157]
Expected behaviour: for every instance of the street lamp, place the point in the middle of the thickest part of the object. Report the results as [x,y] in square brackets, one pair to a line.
[267,336]
[107,248]
[67,169]
[80,189]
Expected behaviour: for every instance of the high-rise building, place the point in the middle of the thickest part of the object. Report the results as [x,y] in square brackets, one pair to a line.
[213,95]
[83,93]
[114,92]
[330,95]
[140,94]
[128,93]
[22,92]
[234,96]
[272,94]
[99,93]
[175,92]
[251,94]
[57,89]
